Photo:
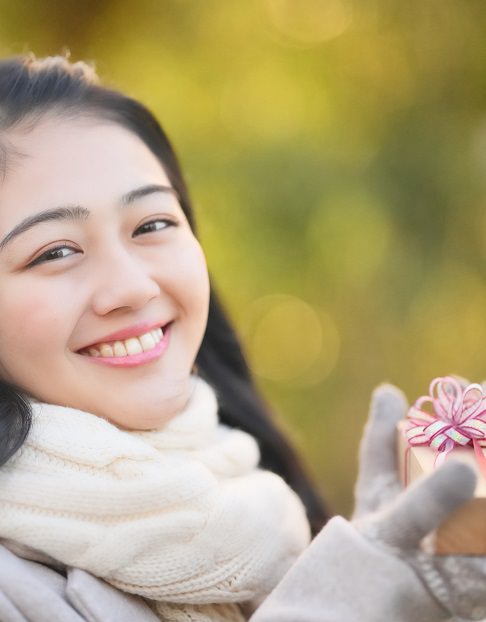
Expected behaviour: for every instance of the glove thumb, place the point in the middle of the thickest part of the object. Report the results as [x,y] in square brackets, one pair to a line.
[425,504]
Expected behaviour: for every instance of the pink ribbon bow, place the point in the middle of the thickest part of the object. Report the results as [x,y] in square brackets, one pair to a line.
[458,418]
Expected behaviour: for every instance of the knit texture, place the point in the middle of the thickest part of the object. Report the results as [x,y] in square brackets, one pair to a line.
[181,515]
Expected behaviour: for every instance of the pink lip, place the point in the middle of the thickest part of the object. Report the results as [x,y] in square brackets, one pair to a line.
[133,360]
[132,331]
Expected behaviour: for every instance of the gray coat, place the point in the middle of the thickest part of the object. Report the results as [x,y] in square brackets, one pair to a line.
[35,592]
[340,577]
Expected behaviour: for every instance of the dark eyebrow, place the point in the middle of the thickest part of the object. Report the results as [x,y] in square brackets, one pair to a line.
[77,212]
[60,213]
[138,193]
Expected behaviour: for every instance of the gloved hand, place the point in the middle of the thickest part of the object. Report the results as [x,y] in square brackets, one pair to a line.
[372,570]
[398,521]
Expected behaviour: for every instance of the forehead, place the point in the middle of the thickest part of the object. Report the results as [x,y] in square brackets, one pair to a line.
[80,161]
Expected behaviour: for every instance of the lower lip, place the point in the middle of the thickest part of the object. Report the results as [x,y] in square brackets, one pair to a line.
[134,360]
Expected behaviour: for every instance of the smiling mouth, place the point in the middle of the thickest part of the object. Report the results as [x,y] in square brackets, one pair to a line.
[126,347]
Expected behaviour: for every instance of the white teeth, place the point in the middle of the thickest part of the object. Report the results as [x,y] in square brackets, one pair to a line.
[157,334]
[133,345]
[119,349]
[106,350]
[147,341]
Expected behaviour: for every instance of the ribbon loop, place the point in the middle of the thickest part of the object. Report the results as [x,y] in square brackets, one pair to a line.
[458,417]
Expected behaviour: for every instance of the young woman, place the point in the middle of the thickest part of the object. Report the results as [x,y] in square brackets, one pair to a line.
[135,446]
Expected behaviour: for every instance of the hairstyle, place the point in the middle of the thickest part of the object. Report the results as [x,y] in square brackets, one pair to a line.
[34,89]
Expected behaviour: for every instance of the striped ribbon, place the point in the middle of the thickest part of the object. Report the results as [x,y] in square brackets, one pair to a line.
[458,418]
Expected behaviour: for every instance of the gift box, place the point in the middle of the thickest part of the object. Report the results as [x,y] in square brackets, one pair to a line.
[449,424]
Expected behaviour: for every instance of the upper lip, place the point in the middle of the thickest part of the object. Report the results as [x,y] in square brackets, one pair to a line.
[125,333]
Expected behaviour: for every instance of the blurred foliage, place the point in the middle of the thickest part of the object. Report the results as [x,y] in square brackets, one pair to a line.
[336,152]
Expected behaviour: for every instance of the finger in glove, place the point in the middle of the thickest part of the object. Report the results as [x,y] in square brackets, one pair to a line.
[421,508]
[378,481]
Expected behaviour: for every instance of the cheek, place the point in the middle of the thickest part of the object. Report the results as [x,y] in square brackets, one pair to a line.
[33,322]
[191,284]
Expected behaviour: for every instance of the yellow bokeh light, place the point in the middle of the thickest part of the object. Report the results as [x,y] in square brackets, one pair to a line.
[310,22]
[291,341]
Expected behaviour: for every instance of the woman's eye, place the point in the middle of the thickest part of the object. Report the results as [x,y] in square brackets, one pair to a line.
[153,225]
[53,254]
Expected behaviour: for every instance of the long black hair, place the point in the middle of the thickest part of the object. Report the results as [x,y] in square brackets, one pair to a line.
[33,89]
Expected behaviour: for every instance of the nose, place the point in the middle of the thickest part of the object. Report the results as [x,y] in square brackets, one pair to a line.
[123,281]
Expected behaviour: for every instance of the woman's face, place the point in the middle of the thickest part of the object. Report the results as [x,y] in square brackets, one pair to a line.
[96,256]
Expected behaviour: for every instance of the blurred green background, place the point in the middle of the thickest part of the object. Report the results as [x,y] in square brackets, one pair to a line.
[336,153]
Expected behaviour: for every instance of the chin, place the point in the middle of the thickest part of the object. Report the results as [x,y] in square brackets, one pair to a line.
[136,424]
[145,416]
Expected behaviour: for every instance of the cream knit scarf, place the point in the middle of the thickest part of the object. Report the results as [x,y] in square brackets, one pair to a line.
[181,516]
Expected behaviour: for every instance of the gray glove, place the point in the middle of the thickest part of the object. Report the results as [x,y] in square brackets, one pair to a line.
[397,522]
[371,570]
